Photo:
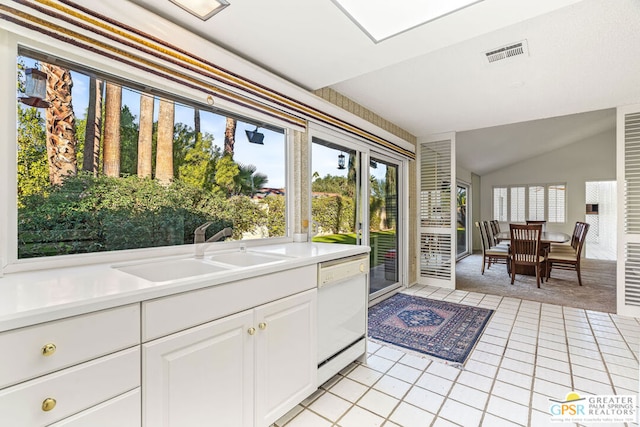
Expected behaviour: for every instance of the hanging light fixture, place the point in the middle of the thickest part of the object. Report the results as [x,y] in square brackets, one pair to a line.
[341,161]
[254,136]
[35,87]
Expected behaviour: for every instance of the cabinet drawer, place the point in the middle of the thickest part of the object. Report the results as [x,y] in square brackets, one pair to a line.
[73,389]
[174,313]
[76,339]
[121,411]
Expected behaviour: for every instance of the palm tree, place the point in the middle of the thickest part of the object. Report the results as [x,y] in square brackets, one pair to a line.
[60,124]
[111,148]
[391,204]
[164,149]
[248,181]
[93,129]
[145,136]
[230,136]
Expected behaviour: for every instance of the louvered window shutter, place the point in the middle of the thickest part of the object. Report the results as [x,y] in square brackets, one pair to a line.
[536,203]
[500,204]
[436,206]
[628,129]
[557,203]
[517,204]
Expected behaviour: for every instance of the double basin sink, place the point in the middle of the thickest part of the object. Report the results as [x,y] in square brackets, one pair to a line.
[182,268]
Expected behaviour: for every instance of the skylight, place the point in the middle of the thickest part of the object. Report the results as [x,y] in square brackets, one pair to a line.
[203,9]
[381,19]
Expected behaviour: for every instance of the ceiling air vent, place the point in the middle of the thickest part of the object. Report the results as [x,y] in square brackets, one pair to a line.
[508,51]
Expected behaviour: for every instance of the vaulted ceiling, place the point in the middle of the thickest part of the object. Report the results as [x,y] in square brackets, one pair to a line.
[582,57]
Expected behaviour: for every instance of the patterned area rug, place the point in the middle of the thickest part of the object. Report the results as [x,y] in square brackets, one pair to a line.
[438,328]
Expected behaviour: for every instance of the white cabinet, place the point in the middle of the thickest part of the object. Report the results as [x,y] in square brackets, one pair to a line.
[67,370]
[285,365]
[247,369]
[203,374]
[121,411]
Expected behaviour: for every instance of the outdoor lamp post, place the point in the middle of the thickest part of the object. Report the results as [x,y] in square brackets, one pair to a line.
[35,88]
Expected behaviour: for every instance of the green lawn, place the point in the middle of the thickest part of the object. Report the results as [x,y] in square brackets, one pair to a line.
[377,238]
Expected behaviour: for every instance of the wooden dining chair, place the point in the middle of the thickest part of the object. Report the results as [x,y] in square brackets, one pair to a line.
[491,254]
[526,250]
[569,259]
[536,221]
[495,229]
[491,235]
[572,245]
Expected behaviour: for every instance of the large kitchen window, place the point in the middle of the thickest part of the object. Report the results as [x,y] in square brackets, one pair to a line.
[106,164]
[519,203]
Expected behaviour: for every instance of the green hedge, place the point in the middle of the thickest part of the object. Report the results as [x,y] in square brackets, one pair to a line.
[89,214]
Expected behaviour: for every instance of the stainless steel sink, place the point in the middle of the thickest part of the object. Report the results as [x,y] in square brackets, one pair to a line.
[164,271]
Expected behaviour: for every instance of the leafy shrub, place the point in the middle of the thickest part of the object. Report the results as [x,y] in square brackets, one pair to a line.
[95,214]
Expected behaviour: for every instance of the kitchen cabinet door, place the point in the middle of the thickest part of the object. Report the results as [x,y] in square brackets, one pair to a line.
[286,367]
[201,376]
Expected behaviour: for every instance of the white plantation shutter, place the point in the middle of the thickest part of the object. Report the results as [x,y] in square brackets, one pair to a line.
[556,196]
[436,251]
[517,204]
[628,166]
[536,202]
[500,204]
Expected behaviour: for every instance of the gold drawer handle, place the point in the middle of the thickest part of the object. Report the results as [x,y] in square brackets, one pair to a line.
[48,349]
[252,331]
[262,325]
[48,404]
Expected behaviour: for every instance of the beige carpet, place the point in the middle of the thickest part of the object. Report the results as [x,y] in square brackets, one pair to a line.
[598,290]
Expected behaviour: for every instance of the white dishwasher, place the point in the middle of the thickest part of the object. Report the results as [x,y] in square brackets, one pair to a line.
[342,313]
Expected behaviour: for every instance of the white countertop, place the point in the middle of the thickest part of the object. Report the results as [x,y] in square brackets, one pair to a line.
[40,296]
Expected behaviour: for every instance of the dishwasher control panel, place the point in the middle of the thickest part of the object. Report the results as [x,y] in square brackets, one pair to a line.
[342,269]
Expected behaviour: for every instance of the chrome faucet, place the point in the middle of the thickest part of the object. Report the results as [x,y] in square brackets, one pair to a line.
[200,241]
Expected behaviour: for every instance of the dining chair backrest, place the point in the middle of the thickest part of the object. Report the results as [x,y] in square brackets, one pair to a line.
[491,238]
[525,242]
[584,229]
[483,236]
[495,226]
[535,221]
[577,230]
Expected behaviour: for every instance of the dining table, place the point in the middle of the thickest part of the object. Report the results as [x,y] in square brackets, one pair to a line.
[546,239]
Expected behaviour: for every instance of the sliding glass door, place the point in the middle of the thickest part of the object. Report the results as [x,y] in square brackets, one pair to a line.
[335,194]
[463,220]
[383,226]
[354,204]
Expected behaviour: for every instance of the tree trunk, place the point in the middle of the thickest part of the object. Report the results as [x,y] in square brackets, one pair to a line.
[196,121]
[164,153]
[145,136]
[91,156]
[111,154]
[61,132]
[230,136]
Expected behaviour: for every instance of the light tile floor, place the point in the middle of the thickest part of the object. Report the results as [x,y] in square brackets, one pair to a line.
[528,353]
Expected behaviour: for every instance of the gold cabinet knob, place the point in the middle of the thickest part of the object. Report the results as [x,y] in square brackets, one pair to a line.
[48,349]
[252,331]
[48,404]
[262,325]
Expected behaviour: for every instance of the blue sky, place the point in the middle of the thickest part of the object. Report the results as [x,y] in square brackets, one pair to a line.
[268,158]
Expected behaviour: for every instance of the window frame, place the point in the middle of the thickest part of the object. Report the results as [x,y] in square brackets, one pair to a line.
[22,46]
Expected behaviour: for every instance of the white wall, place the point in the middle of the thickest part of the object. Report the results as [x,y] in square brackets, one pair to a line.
[592,159]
